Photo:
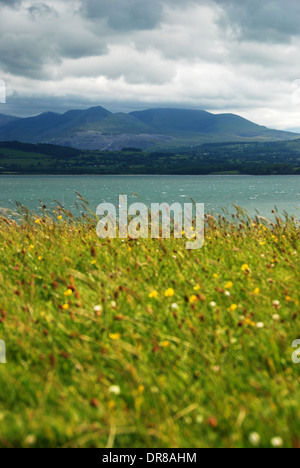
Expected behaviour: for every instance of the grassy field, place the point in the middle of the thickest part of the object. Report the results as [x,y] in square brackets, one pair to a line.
[145,344]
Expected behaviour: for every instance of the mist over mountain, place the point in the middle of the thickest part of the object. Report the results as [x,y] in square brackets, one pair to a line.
[98,128]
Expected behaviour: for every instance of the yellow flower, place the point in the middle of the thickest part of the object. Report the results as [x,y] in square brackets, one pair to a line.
[165,344]
[193,299]
[37,221]
[233,307]
[169,292]
[245,268]
[31,247]
[288,299]
[256,291]
[69,292]
[111,404]
[59,217]
[229,285]
[141,389]
[153,295]
[65,306]
[183,233]
[197,287]
[93,262]
[249,322]
[115,336]
[215,276]
[40,259]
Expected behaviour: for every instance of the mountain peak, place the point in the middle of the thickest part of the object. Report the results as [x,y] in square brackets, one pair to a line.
[97,128]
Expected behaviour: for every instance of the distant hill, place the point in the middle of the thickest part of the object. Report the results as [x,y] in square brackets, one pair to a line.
[5,119]
[98,129]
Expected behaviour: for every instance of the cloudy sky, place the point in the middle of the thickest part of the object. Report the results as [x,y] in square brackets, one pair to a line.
[240,56]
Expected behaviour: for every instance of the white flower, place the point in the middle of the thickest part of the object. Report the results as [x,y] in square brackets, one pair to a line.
[254,438]
[113,304]
[276,304]
[174,306]
[276,317]
[174,257]
[260,325]
[277,442]
[200,419]
[98,308]
[213,304]
[115,389]
[227,293]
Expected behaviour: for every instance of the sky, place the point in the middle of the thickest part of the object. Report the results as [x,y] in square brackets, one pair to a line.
[240,56]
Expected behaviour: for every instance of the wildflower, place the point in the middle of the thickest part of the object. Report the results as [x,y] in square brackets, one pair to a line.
[183,233]
[37,221]
[69,292]
[256,291]
[111,405]
[213,304]
[153,295]
[215,276]
[98,308]
[40,259]
[31,247]
[249,322]
[260,325]
[229,285]
[59,217]
[169,292]
[245,268]
[288,299]
[277,442]
[30,439]
[197,287]
[276,304]
[193,299]
[233,307]
[276,317]
[165,344]
[113,304]
[227,293]
[200,419]
[65,306]
[141,389]
[93,262]
[115,336]
[174,306]
[254,438]
[115,389]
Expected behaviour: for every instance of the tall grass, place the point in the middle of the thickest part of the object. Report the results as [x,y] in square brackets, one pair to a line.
[143,343]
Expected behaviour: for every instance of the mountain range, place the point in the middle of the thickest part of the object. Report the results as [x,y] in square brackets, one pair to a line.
[98,129]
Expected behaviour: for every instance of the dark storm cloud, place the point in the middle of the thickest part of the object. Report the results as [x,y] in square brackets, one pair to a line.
[236,55]
[10,3]
[266,21]
[125,14]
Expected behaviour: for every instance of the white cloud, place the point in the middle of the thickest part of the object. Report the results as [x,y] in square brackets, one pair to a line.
[200,54]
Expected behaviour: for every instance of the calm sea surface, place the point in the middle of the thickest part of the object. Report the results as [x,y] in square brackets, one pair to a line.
[217,192]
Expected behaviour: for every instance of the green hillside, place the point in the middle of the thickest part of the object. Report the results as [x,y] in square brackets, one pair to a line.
[225,158]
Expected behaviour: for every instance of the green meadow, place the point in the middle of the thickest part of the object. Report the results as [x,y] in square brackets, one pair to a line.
[142,343]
